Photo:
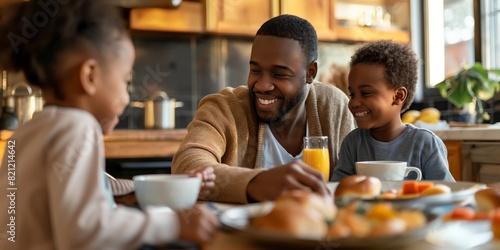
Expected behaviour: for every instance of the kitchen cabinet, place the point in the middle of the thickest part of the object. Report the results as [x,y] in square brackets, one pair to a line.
[188,18]
[334,20]
[238,17]
[371,20]
[455,158]
[475,150]
[317,12]
[481,161]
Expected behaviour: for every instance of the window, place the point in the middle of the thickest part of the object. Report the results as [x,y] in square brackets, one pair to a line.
[490,17]
[449,38]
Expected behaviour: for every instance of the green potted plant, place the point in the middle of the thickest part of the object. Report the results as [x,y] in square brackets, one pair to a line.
[470,86]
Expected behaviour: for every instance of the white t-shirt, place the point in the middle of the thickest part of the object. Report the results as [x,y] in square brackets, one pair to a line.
[273,154]
[62,198]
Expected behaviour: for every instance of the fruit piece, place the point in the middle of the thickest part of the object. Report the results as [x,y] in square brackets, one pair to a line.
[381,211]
[462,213]
[423,185]
[410,187]
[429,115]
[410,116]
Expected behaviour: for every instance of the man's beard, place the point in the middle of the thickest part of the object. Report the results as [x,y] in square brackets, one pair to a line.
[287,107]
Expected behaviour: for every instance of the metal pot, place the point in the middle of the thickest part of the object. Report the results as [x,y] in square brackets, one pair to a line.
[159,111]
[25,104]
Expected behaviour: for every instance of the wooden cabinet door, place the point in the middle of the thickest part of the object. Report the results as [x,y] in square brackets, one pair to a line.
[238,17]
[455,158]
[187,18]
[349,13]
[318,12]
[481,161]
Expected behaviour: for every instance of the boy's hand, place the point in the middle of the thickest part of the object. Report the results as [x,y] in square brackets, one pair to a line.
[197,224]
[207,176]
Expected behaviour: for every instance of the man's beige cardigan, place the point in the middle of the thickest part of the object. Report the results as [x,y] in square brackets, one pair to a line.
[227,134]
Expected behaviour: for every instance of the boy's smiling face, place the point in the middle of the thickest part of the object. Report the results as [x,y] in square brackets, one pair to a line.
[373,104]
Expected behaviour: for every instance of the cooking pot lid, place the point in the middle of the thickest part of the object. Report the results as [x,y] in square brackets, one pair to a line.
[21,89]
[159,96]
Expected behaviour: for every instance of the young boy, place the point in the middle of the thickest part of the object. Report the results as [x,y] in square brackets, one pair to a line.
[382,83]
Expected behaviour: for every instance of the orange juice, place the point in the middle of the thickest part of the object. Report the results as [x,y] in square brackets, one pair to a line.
[318,158]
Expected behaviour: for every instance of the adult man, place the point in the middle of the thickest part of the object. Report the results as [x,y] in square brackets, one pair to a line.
[252,135]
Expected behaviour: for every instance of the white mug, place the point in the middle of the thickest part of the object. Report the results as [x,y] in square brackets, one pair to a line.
[386,170]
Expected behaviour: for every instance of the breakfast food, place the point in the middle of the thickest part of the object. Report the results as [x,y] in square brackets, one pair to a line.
[298,213]
[308,201]
[358,186]
[412,189]
[469,214]
[487,199]
[460,213]
[367,187]
[414,219]
[388,227]
[377,220]
[292,220]
[436,189]
[495,225]
[307,215]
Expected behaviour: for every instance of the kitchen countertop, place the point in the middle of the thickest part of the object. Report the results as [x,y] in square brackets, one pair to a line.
[490,133]
[128,135]
[122,143]
[146,135]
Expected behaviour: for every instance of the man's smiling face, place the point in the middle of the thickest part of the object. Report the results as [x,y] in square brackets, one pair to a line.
[277,78]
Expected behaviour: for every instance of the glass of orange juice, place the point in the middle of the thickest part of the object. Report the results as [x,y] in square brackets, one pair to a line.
[316,154]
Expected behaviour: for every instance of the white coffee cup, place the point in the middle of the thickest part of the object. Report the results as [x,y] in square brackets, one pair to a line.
[174,191]
[386,170]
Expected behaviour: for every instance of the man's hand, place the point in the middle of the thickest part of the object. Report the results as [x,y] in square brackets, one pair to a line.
[268,185]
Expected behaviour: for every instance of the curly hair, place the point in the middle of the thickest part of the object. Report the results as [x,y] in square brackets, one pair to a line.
[299,29]
[400,61]
[34,34]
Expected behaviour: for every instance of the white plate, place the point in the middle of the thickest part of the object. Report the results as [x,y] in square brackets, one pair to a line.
[463,235]
[461,193]
[237,218]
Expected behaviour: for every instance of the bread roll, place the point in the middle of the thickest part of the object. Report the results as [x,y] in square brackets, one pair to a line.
[293,220]
[308,200]
[436,189]
[358,186]
[487,199]
[299,213]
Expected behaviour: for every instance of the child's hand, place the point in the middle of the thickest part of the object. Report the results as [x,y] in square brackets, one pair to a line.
[197,224]
[207,176]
